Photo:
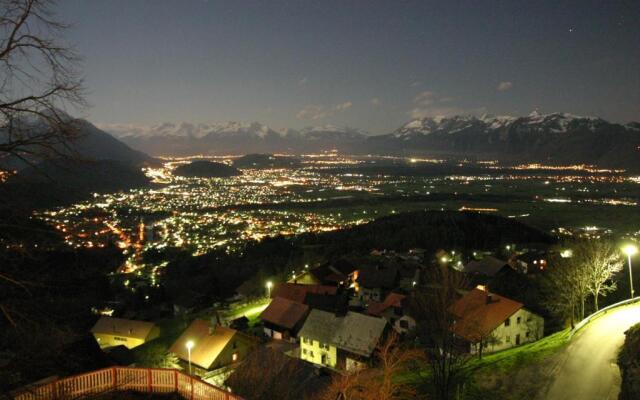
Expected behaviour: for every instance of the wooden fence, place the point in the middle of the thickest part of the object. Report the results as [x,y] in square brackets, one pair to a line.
[148,380]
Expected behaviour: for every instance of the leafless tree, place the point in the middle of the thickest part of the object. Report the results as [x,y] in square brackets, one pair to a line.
[39,80]
[602,261]
[446,356]
[589,271]
[380,382]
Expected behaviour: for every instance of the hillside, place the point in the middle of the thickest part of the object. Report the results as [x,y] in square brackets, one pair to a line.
[217,274]
[62,181]
[206,169]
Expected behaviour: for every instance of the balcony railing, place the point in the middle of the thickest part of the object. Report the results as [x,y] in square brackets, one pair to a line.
[147,380]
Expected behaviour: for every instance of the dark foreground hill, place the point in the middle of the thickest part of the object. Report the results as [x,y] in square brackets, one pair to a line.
[58,182]
[215,275]
[206,169]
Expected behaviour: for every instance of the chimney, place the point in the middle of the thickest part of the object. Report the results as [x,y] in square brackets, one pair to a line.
[489,298]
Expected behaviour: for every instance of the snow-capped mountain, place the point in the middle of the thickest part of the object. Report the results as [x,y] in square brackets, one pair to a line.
[555,137]
[232,137]
[544,123]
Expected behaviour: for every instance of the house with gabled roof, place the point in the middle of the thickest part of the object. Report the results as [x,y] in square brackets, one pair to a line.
[213,345]
[343,342]
[110,332]
[395,309]
[283,318]
[489,322]
[374,282]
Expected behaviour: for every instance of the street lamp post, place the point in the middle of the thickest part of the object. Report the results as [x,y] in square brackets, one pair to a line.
[269,286]
[630,250]
[189,347]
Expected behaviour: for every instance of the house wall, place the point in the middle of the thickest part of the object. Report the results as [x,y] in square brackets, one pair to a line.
[312,351]
[240,345]
[109,340]
[529,329]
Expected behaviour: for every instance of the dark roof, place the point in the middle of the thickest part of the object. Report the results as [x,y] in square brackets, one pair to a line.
[286,377]
[337,303]
[297,292]
[488,266]
[479,312]
[378,277]
[284,312]
[356,333]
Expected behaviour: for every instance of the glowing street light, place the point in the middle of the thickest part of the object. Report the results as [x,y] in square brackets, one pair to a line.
[630,250]
[269,286]
[189,347]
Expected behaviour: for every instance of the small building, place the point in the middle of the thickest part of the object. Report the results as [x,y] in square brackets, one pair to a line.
[395,310]
[283,318]
[110,332]
[489,322]
[214,346]
[373,283]
[340,342]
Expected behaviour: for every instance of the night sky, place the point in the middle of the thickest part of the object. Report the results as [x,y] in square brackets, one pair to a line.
[367,64]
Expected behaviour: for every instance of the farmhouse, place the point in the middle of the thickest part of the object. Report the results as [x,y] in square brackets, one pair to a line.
[489,322]
[340,342]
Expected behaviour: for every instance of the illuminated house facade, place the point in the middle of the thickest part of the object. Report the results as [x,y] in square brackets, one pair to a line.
[110,332]
[340,342]
[489,322]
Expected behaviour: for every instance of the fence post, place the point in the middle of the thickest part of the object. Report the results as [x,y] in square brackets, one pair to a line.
[114,378]
[149,380]
[191,387]
[175,374]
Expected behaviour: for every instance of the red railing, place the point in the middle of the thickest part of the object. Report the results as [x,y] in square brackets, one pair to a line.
[148,380]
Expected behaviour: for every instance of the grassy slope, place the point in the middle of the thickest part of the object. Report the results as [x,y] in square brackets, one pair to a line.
[510,374]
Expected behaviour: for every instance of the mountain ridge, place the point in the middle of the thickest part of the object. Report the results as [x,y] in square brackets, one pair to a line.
[552,138]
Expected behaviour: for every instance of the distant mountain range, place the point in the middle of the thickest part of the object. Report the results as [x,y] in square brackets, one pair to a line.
[552,138]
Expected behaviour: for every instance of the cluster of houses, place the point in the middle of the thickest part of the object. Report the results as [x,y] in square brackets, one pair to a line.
[334,317]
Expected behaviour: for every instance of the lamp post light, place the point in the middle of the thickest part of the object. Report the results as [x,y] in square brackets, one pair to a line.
[630,250]
[269,286]
[189,347]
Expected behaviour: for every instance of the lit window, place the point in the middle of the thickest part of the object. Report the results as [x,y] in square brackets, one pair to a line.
[234,357]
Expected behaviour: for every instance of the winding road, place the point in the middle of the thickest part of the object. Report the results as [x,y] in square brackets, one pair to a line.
[587,369]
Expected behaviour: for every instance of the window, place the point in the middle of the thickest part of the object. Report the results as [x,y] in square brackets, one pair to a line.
[304,351]
[311,353]
[518,320]
[234,357]
[508,339]
[507,322]
[527,334]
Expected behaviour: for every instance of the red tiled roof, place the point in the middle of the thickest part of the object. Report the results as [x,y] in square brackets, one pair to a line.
[392,300]
[476,317]
[297,292]
[284,312]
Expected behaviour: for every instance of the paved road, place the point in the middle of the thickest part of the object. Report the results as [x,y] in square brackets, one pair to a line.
[587,369]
